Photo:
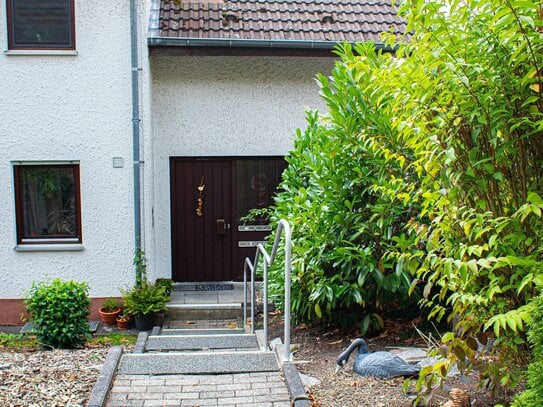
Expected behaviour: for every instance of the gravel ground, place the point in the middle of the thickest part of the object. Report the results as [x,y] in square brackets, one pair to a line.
[49,378]
[316,356]
[30,377]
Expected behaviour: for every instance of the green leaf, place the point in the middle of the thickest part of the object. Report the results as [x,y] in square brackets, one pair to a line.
[318,311]
[534,198]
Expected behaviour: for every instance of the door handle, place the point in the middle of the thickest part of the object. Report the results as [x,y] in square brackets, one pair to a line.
[221,227]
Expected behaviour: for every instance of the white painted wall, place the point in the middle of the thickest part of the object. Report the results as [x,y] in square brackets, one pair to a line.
[223,106]
[79,108]
[73,108]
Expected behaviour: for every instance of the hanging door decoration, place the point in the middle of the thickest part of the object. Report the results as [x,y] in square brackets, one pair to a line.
[200,199]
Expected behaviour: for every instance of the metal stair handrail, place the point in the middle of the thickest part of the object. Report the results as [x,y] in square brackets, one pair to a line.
[282,227]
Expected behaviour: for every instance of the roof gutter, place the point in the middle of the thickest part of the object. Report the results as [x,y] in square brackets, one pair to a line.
[244,43]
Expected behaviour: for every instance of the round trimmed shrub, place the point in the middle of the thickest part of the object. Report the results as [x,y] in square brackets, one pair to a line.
[59,310]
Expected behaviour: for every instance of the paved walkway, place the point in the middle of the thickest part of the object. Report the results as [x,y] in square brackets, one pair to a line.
[266,389]
[245,389]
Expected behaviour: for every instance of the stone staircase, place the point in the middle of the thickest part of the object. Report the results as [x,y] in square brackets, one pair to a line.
[205,305]
[202,358]
[197,367]
[201,351]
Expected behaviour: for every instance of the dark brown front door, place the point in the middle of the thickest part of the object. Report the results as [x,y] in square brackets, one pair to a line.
[201,214]
[208,198]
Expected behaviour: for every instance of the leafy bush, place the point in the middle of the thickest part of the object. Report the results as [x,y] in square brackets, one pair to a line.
[59,309]
[469,97]
[533,396]
[145,300]
[166,284]
[342,226]
[429,164]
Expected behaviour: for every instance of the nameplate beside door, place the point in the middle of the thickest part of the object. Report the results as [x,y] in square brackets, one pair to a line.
[249,243]
[255,228]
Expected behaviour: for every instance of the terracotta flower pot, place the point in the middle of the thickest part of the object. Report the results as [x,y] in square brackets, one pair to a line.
[123,323]
[109,318]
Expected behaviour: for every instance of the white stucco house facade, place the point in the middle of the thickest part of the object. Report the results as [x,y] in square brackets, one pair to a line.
[114,113]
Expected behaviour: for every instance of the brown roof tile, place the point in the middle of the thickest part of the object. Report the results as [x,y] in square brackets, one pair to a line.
[272,20]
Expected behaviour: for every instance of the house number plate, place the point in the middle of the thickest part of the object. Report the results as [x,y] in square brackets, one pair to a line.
[248,243]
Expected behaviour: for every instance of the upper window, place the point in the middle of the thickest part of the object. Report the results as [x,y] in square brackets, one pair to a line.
[41,24]
[47,203]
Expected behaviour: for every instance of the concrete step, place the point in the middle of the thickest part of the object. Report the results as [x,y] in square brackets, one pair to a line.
[198,363]
[204,311]
[197,331]
[200,342]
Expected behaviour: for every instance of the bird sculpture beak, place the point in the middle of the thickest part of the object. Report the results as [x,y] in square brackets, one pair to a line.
[338,368]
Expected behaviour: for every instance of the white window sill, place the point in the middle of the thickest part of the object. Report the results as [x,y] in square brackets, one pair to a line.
[45,52]
[49,248]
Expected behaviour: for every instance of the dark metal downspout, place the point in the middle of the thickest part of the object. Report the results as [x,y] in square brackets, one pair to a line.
[135,124]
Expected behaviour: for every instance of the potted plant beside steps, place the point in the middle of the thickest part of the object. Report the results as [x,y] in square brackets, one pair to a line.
[143,302]
[109,310]
[123,321]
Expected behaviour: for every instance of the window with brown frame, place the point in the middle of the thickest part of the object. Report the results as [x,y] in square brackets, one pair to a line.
[47,203]
[41,24]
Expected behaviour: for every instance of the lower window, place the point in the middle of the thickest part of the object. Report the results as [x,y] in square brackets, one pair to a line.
[47,203]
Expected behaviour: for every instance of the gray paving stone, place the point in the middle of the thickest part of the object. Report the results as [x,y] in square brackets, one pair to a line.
[255,405]
[193,363]
[187,323]
[217,379]
[122,382]
[237,400]
[201,388]
[251,392]
[249,379]
[154,382]
[237,386]
[129,389]
[261,385]
[145,396]
[155,403]
[208,331]
[125,403]
[169,390]
[118,396]
[218,394]
[193,342]
[271,397]
[208,402]
[185,380]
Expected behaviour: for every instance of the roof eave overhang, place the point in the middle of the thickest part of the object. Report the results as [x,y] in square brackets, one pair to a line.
[277,45]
